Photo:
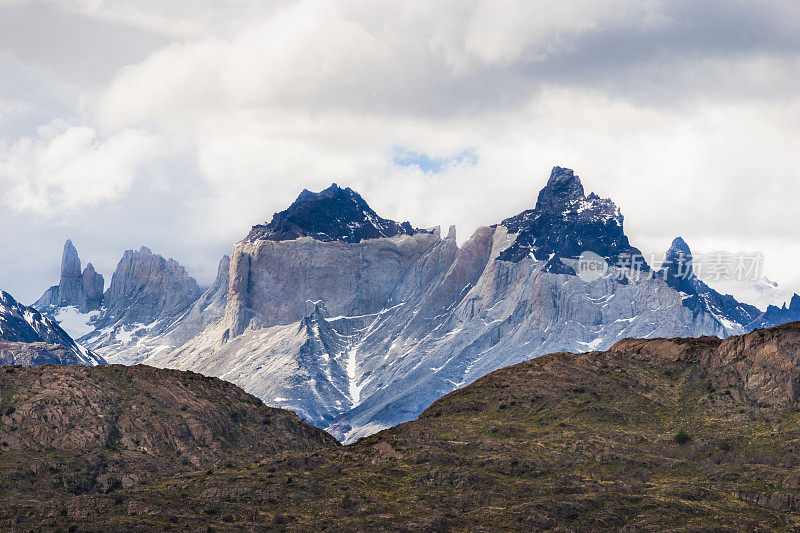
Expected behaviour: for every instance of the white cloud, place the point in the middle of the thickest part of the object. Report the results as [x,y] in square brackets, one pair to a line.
[684,112]
[69,169]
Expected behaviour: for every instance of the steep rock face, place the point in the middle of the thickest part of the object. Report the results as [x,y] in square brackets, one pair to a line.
[37,354]
[360,336]
[70,288]
[82,290]
[763,365]
[280,282]
[22,324]
[146,287]
[93,284]
[678,272]
[147,296]
[208,309]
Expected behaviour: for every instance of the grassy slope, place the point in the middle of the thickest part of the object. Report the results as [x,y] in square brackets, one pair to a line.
[563,442]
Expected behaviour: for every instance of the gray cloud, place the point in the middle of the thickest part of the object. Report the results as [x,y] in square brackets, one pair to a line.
[179,125]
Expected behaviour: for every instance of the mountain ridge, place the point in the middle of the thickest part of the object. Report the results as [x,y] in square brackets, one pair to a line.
[653,434]
[360,336]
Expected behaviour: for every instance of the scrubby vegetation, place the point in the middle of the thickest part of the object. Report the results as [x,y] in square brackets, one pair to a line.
[567,442]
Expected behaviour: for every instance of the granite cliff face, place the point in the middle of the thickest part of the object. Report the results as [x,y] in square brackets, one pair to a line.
[147,287]
[28,338]
[145,298]
[357,334]
[82,290]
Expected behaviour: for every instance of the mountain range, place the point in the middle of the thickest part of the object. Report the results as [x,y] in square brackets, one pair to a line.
[358,323]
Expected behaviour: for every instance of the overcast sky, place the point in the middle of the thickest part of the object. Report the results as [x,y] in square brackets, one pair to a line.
[180,124]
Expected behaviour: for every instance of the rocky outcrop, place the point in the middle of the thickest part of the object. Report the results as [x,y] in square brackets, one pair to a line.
[95,430]
[93,284]
[20,324]
[334,214]
[80,289]
[70,288]
[147,298]
[37,354]
[146,287]
[775,315]
[763,365]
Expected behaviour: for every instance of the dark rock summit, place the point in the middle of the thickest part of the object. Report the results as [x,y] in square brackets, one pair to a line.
[334,214]
[566,222]
[678,272]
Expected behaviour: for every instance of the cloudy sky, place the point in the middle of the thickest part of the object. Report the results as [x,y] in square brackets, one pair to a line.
[180,124]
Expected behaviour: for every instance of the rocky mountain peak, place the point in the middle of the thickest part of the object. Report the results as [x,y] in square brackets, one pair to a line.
[81,289]
[562,189]
[679,249]
[775,315]
[677,263]
[145,287]
[70,286]
[566,222]
[678,273]
[334,214]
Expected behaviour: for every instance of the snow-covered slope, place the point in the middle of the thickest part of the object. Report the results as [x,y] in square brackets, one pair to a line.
[22,324]
[136,316]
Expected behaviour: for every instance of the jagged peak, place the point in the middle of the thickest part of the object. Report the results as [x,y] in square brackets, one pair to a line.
[70,262]
[678,253]
[562,189]
[566,223]
[333,214]
[677,261]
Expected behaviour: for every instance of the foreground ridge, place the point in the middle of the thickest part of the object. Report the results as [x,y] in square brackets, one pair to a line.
[659,434]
